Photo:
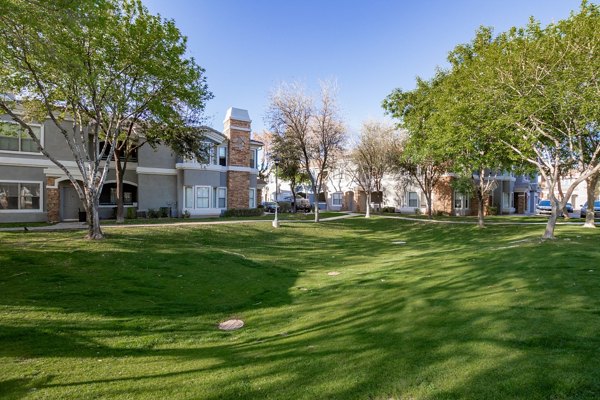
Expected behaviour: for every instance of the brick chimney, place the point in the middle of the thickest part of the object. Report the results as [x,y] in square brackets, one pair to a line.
[237,129]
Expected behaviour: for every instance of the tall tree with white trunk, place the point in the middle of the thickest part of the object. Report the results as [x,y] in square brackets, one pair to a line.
[317,132]
[106,73]
[371,157]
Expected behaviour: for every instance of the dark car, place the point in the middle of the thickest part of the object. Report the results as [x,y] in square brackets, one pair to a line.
[569,208]
[596,209]
[270,206]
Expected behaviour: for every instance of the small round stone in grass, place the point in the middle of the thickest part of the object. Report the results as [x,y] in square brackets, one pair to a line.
[231,325]
[333,273]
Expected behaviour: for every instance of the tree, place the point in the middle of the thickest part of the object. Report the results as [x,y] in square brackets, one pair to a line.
[547,87]
[108,74]
[421,154]
[318,133]
[371,157]
[290,165]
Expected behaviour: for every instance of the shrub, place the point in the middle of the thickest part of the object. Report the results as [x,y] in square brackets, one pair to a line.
[152,213]
[388,209]
[492,210]
[186,214]
[417,211]
[285,207]
[243,212]
[164,212]
[131,213]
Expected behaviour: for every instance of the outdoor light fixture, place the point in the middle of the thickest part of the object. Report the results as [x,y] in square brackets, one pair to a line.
[276,220]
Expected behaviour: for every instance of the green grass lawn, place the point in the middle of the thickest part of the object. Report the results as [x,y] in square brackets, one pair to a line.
[453,313]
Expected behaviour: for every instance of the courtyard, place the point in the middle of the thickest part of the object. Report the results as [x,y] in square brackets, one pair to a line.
[345,309]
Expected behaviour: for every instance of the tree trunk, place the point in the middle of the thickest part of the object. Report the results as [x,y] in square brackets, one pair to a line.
[480,209]
[591,182]
[119,173]
[93,218]
[368,207]
[429,205]
[561,197]
[480,199]
[293,189]
[549,232]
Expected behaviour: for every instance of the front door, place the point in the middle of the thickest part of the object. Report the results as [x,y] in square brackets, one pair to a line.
[70,203]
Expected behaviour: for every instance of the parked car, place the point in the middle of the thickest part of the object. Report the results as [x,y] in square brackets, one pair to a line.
[270,206]
[596,209]
[545,207]
[302,204]
[569,208]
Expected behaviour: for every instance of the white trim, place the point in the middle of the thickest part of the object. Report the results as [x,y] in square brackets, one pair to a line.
[196,187]
[218,138]
[198,166]
[253,196]
[27,210]
[212,167]
[238,128]
[155,171]
[243,169]
[28,162]
[217,205]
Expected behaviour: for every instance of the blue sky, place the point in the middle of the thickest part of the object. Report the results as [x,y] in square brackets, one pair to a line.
[369,47]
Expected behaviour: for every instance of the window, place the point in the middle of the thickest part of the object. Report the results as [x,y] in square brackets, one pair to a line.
[222,197]
[413,199]
[336,199]
[20,196]
[108,196]
[253,158]
[189,197]
[14,138]
[223,156]
[505,200]
[202,197]
[252,198]
[461,201]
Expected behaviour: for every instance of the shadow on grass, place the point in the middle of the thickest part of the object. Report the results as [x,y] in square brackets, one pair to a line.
[455,312]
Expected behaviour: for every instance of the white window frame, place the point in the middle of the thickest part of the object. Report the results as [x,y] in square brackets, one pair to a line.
[254,156]
[224,189]
[252,198]
[224,149]
[25,210]
[186,198]
[464,201]
[416,199]
[196,192]
[41,126]
[337,198]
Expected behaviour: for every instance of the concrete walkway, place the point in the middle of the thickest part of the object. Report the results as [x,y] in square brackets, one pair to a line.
[474,222]
[72,226]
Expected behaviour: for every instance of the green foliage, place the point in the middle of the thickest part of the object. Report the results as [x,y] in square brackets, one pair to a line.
[152,213]
[131,213]
[243,212]
[105,66]
[388,210]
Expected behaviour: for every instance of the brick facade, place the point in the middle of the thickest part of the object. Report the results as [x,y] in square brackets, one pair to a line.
[52,200]
[238,182]
[442,196]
